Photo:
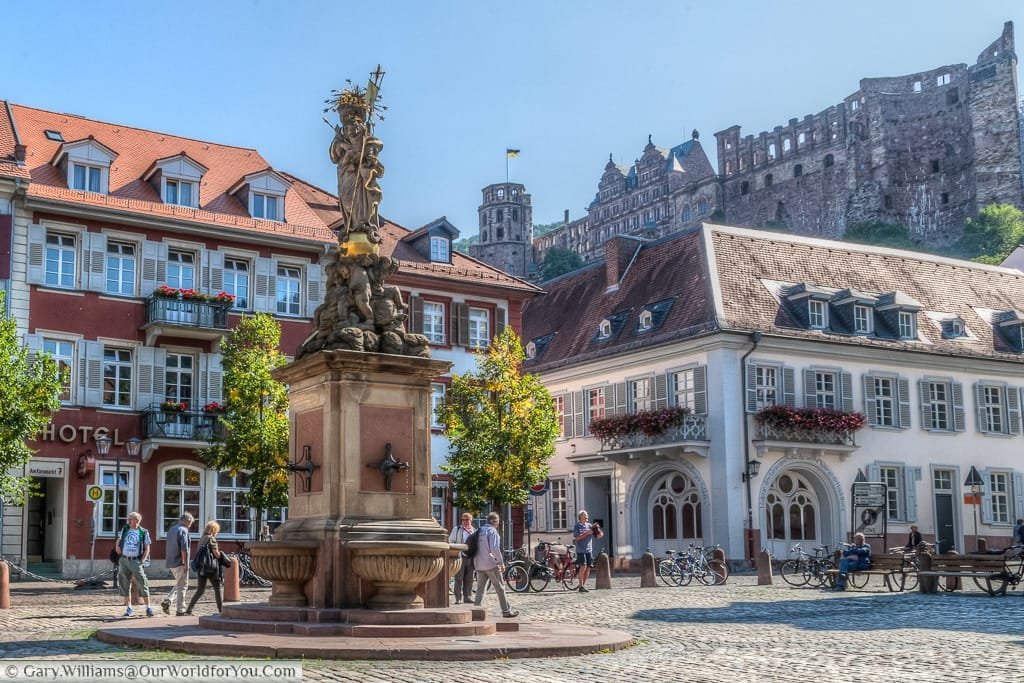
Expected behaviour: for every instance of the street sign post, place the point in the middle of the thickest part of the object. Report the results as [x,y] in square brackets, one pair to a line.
[869,517]
[93,494]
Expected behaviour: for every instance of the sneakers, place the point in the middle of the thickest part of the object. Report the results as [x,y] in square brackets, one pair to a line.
[182,613]
[128,611]
[149,611]
[583,589]
[510,615]
[166,606]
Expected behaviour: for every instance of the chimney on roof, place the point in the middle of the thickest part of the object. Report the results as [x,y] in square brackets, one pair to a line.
[566,219]
[618,254]
[19,153]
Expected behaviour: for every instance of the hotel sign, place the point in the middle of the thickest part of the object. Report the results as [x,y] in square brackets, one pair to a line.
[83,434]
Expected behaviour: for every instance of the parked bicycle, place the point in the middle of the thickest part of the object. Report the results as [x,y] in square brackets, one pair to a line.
[910,564]
[807,569]
[681,567]
[553,562]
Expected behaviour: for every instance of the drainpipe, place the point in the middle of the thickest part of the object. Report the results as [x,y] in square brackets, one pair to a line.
[755,338]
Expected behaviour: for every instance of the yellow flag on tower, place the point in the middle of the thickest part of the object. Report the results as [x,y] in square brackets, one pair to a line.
[510,153]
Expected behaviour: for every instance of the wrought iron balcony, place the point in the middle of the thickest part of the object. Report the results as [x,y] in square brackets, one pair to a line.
[186,426]
[187,317]
[690,435]
[825,437]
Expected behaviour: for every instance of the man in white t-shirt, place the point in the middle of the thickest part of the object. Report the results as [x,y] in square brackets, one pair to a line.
[133,545]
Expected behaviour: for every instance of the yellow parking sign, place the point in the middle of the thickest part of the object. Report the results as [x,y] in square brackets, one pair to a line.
[94,493]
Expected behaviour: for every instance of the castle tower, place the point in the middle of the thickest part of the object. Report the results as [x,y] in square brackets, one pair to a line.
[506,230]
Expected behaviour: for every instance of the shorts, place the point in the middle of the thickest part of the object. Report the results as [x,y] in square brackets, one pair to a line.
[585,559]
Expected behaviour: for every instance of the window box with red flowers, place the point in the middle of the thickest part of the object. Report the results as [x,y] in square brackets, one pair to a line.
[174,406]
[213,408]
[649,428]
[812,425]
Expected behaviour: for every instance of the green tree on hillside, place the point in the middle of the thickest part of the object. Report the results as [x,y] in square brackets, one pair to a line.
[502,427]
[993,235]
[255,414]
[559,261]
[30,391]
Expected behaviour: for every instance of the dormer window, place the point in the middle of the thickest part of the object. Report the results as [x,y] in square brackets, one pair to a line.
[646,321]
[817,314]
[263,193]
[956,328]
[178,192]
[86,178]
[907,326]
[862,319]
[176,179]
[86,164]
[604,329]
[531,351]
[266,206]
[440,249]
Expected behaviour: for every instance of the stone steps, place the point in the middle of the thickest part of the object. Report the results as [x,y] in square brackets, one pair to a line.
[412,617]
[348,630]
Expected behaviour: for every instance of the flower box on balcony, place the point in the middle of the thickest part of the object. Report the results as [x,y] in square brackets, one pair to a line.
[213,408]
[173,406]
[815,425]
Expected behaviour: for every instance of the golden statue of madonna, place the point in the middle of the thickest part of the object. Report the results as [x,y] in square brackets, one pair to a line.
[356,152]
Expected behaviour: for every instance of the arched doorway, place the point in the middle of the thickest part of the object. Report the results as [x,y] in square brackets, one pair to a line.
[675,514]
[800,502]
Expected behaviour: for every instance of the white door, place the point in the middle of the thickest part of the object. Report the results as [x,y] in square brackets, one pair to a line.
[792,515]
[674,514]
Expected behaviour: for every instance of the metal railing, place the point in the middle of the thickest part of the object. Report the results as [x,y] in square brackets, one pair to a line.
[692,428]
[819,436]
[186,425]
[187,312]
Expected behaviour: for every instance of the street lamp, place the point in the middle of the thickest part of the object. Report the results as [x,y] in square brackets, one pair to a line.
[133,445]
[753,467]
[975,481]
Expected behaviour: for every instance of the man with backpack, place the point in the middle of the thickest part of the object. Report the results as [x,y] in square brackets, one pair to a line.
[490,565]
[133,546]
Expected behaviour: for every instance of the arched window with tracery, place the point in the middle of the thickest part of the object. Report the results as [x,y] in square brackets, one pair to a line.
[791,510]
[676,513]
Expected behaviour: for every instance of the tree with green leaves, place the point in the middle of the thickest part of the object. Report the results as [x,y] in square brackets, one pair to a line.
[30,389]
[502,428]
[993,235]
[559,261]
[255,417]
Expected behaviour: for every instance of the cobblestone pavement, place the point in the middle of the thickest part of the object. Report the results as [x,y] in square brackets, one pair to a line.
[736,632]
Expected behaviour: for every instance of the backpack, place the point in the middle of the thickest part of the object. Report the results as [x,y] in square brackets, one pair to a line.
[199,560]
[473,544]
[204,563]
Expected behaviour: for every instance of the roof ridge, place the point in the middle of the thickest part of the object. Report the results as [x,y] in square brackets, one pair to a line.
[138,128]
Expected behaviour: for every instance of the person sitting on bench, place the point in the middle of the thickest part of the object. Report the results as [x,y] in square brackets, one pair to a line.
[915,538]
[855,558]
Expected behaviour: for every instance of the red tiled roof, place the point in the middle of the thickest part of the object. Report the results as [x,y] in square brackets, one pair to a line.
[137,149]
[8,167]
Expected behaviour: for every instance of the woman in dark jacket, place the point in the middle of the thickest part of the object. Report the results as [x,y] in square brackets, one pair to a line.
[209,539]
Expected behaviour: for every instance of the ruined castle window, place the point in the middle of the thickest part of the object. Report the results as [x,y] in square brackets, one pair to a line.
[499,234]
[834,130]
[854,105]
[745,187]
[800,139]
[702,207]
[942,79]
[787,144]
[483,219]
[771,152]
[515,192]
[728,167]
[499,215]
[798,170]
[917,86]
[953,96]
[501,193]
[888,201]
[829,160]
[768,179]
[483,236]
[686,215]
[935,165]
[515,214]
[945,198]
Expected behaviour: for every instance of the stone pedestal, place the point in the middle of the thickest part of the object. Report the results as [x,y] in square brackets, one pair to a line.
[346,408]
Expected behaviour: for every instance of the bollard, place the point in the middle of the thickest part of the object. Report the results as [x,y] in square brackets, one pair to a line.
[647,573]
[603,568]
[952,582]
[764,568]
[5,585]
[925,584]
[232,581]
[982,546]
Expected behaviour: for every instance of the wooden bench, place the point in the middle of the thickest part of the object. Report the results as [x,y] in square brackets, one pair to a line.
[987,571]
[894,569]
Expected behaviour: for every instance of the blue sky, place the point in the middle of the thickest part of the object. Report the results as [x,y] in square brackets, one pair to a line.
[567,82]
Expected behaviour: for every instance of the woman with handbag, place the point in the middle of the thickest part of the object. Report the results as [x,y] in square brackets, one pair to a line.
[209,565]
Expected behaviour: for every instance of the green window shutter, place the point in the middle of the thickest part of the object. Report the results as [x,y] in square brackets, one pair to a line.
[500,320]
[416,314]
[460,321]
[700,390]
